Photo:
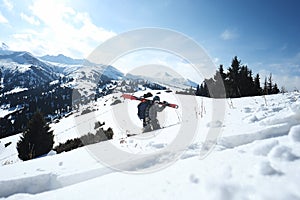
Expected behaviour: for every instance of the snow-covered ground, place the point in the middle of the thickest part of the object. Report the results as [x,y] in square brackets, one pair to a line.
[257,155]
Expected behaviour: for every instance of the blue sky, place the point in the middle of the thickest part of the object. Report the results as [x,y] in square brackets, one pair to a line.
[264,34]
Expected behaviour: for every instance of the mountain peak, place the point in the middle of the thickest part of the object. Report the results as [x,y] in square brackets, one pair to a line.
[4,47]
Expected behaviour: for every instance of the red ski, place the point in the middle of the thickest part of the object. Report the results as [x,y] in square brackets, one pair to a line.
[132,97]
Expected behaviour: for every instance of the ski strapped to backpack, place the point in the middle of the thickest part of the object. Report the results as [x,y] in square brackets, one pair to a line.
[132,97]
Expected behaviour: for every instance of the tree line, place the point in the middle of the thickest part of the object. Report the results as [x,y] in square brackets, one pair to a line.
[238,81]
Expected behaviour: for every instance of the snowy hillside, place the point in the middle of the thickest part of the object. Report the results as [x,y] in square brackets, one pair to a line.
[257,155]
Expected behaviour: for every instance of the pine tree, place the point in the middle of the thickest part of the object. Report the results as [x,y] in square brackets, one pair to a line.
[205,90]
[275,89]
[221,71]
[257,85]
[197,93]
[266,87]
[37,139]
[270,85]
[233,77]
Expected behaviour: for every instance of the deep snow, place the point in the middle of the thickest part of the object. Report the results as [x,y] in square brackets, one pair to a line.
[257,155]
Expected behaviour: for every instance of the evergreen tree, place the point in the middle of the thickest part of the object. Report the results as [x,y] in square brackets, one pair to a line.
[270,85]
[245,82]
[275,89]
[233,78]
[266,87]
[217,85]
[221,71]
[257,85]
[205,90]
[37,140]
[197,93]
[202,90]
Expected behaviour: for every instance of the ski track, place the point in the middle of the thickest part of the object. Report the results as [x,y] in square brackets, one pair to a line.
[270,132]
[47,182]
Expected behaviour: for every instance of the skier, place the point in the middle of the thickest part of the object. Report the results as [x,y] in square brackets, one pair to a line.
[147,110]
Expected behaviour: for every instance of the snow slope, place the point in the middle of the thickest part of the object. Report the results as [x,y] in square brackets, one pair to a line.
[257,155]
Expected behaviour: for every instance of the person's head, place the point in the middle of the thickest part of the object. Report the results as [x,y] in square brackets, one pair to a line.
[156,99]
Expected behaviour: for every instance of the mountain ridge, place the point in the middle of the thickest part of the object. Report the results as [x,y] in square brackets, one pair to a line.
[60,58]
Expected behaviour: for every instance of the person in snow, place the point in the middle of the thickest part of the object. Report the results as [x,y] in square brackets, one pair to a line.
[150,111]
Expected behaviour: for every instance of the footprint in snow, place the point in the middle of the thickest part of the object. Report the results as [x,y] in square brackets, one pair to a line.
[215,124]
[263,149]
[282,153]
[194,179]
[158,145]
[265,168]
[247,110]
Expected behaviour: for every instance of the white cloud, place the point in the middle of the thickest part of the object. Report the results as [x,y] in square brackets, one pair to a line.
[229,35]
[285,73]
[289,82]
[8,5]
[61,30]
[30,19]
[3,20]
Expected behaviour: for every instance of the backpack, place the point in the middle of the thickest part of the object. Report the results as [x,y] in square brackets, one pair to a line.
[142,109]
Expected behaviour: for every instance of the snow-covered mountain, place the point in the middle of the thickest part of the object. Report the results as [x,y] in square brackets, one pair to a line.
[62,59]
[85,75]
[23,70]
[168,79]
[257,155]
[70,65]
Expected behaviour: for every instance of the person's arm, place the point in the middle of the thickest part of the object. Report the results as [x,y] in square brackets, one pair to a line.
[161,108]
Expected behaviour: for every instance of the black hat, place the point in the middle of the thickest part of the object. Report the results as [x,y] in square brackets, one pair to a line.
[156,98]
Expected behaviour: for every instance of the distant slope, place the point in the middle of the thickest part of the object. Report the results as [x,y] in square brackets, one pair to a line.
[60,58]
